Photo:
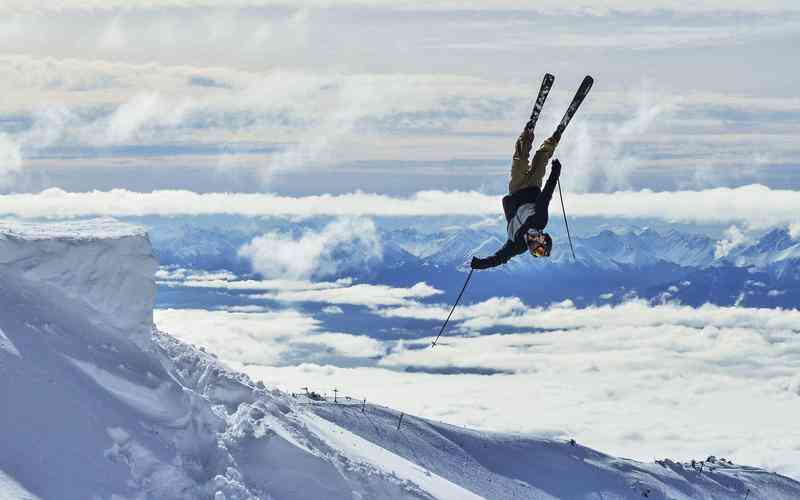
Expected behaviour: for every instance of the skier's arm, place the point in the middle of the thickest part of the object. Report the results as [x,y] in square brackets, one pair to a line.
[510,249]
[544,198]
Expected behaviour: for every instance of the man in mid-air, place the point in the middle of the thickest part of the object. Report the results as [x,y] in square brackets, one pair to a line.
[526,203]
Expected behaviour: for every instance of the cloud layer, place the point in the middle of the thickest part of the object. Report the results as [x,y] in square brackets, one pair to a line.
[635,379]
[10,158]
[278,88]
[263,337]
[755,204]
[341,245]
[545,6]
[340,292]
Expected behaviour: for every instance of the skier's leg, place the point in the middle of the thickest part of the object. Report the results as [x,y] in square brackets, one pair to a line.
[535,175]
[519,165]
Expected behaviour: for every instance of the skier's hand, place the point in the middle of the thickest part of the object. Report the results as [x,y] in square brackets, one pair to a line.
[477,263]
[556,166]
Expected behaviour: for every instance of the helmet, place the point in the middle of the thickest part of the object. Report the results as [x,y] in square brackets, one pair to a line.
[539,244]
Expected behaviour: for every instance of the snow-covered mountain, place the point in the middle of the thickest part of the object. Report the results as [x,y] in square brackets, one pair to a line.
[604,250]
[776,252]
[622,259]
[619,248]
[99,404]
[200,247]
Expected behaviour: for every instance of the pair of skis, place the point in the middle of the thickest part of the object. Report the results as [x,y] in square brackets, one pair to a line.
[580,95]
[547,84]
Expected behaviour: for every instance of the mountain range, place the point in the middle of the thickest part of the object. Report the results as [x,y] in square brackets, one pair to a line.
[612,264]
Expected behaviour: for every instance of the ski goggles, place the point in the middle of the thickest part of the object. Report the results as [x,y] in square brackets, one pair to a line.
[539,250]
[536,243]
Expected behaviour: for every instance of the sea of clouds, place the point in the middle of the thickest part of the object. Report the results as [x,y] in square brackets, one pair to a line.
[638,379]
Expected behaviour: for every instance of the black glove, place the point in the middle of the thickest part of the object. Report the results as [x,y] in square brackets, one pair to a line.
[556,167]
[477,263]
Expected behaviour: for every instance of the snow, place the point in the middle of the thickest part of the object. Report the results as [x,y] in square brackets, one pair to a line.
[367,452]
[163,403]
[99,404]
[8,346]
[80,230]
[9,489]
[105,264]
[496,465]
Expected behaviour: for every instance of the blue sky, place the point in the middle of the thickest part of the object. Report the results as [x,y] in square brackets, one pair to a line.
[392,97]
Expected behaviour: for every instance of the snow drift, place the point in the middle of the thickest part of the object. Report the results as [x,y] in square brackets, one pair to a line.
[97,404]
[106,265]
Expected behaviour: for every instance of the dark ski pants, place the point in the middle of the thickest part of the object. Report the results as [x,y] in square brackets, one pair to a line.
[524,175]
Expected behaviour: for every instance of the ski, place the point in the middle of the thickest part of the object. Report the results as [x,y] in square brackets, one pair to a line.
[586,85]
[547,84]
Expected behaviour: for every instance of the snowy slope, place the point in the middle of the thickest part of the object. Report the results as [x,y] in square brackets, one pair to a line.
[511,466]
[98,404]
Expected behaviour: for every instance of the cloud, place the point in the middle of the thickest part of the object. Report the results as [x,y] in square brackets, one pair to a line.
[341,291]
[511,312]
[372,296]
[291,118]
[342,244]
[196,275]
[10,158]
[342,344]
[496,307]
[755,205]
[262,337]
[146,110]
[601,375]
[794,230]
[661,33]
[733,238]
[294,116]
[752,204]
[606,165]
[545,6]
[196,278]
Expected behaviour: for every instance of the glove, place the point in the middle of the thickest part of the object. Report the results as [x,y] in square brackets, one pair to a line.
[556,167]
[477,263]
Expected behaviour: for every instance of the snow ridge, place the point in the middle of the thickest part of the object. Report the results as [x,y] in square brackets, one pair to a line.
[102,263]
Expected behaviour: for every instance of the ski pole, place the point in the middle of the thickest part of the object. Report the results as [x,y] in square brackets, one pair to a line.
[564,211]
[454,307]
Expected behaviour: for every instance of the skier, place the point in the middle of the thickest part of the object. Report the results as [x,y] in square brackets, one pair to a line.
[525,205]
